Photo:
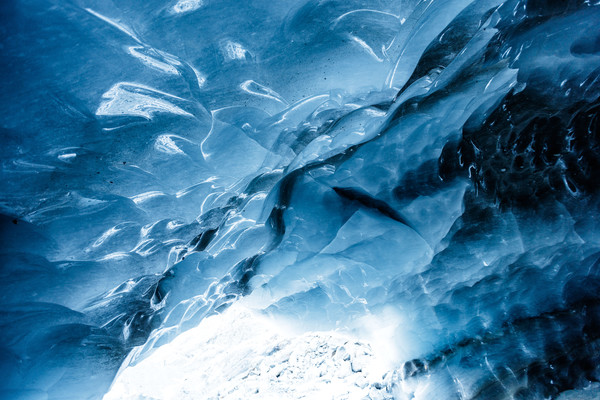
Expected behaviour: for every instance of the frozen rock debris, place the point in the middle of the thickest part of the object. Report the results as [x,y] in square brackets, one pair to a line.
[392,199]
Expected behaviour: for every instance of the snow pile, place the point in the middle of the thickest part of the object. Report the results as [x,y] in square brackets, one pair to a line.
[241,354]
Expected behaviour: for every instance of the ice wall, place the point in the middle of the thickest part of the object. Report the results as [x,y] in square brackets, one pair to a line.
[420,175]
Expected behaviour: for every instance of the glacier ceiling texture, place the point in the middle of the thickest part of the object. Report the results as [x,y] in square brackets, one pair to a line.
[357,199]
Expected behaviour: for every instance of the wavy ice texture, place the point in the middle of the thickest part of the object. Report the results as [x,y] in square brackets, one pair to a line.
[352,199]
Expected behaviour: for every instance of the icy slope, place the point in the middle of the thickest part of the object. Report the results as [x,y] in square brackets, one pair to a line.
[419,176]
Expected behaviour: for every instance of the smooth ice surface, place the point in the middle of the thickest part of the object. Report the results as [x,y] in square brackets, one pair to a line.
[199,181]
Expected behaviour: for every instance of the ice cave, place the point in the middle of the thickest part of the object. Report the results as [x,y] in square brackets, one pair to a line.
[300,199]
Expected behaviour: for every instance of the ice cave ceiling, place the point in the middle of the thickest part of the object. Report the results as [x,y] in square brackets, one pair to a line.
[324,199]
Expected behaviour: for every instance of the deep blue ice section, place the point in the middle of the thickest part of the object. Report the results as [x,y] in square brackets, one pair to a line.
[331,159]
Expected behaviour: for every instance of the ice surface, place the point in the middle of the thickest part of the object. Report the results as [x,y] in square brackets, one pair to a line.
[213,198]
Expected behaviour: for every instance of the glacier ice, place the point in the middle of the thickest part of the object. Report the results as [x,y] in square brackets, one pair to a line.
[388,199]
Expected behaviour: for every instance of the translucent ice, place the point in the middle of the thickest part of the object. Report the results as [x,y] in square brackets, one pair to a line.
[392,199]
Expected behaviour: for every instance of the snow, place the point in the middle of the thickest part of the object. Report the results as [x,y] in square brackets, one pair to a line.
[242,354]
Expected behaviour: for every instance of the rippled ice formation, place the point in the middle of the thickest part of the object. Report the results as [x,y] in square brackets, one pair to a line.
[332,199]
